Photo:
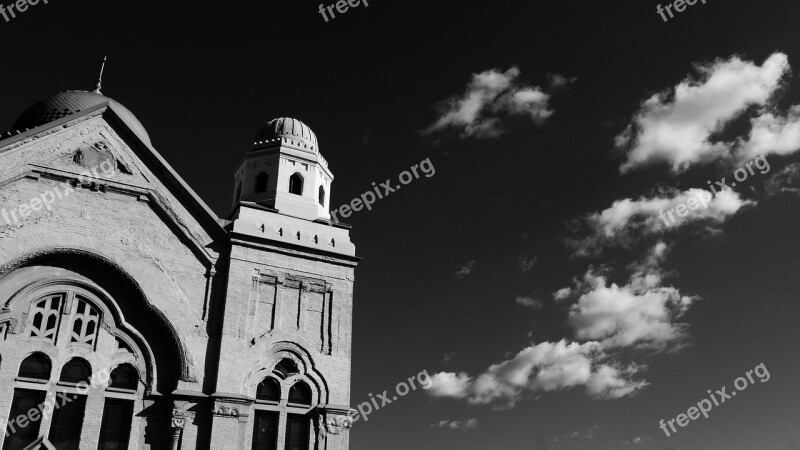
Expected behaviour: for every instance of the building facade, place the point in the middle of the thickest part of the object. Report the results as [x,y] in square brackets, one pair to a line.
[132,317]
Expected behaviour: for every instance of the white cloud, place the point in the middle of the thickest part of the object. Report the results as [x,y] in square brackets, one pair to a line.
[465,270]
[464,425]
[548,366]
[640,314]
[628,219]
[562,294]
[677,126]
[449,384]
[530,302]
[771,134]
[489,97]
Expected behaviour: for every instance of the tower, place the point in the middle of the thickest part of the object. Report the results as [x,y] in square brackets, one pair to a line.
[284,170]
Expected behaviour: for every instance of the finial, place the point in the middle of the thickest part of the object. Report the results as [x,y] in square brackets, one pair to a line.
[100,80]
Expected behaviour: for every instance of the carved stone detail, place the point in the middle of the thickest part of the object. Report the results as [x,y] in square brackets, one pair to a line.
[337,424]
[227,411]
[180,417]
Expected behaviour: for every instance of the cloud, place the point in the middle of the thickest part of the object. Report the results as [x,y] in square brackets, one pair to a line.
[677,126]
[562,294]
[463,425]
[530,302]
[465,270]
[627,220]
[525,263]
[771,134]
[491,96]
[639,314]
[447,357]
[543,367]
[785,181]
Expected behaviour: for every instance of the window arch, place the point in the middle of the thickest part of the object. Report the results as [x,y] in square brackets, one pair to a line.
[262,182]
[269,390]
[300,394]
[322,196]
[36,366]
[124,376]
[296,184]
[68,316]
[75,371]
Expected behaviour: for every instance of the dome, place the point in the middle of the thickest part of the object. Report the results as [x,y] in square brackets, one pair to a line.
[65,103]
[287,127]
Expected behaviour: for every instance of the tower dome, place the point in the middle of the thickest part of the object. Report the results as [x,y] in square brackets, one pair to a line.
[287,127]
[70,102]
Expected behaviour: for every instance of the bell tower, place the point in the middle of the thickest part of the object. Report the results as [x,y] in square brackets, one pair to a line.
[285,171]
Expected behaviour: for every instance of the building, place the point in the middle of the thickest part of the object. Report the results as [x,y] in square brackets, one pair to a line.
[133,317]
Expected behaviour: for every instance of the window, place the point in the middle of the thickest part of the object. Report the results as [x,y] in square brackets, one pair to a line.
[269,390]
[84,324]
[45,313]
[286,367]
[300,394]
[262,182]
[115,429]
[65,430]
[322,196]
[265,434]
[75,371]
[124,376]
[17,438]
[296,184]
[36,366]
[297,430]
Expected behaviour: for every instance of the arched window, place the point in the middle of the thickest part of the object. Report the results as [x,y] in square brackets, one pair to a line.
[238,192]
[36,366]
[124,376]
[296,184]
[286,368]
[84,323]
[269,390]
[75,371]
[45,313]
[300,394]
[262,182]
[65,429]
[322,196]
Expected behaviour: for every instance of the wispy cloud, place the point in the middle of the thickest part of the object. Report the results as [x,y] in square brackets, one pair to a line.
[530,302]
[465,270]
[490,97]
[462,425]
[628,219]
[526,263]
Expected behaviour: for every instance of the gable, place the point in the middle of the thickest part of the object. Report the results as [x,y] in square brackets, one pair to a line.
[96,150]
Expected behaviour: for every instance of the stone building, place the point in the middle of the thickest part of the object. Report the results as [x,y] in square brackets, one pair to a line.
[131,316]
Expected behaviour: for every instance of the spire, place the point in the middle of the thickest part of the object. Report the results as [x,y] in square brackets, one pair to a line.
[100,79]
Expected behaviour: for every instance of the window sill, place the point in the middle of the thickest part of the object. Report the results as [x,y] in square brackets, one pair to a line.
[31,380]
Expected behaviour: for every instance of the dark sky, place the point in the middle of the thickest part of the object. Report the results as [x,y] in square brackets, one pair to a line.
[203,78]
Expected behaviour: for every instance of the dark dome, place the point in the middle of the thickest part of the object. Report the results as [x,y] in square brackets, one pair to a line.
[288,127]
[70,102]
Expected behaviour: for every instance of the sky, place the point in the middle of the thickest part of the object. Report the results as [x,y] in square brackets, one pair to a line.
[536,276]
